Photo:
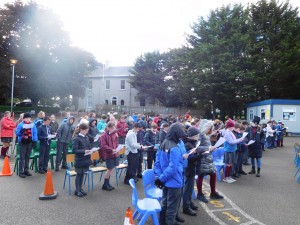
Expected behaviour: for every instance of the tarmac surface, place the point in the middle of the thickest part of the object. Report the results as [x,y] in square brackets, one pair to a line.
[272,199]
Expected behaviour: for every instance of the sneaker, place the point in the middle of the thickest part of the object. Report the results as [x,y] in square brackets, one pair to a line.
[22,175]
[189,212]
[78,194]
[216,196]
[113,188]
[83,192]
[202,198]
[228,180]
[41,172]
[28,174]
[243,172]
[235,175]
[106,188]
[233,180]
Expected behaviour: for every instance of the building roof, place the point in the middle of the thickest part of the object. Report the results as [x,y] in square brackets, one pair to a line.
[111,71]
[274,102]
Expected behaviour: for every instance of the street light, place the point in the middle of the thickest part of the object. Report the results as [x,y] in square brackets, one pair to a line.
[13,62]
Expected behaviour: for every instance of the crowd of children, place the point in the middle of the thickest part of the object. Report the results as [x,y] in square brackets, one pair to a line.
[141,135]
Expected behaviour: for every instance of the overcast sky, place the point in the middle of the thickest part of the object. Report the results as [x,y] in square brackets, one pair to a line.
[121,30]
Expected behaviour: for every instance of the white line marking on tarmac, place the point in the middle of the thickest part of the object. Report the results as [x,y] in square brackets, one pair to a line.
[234,207]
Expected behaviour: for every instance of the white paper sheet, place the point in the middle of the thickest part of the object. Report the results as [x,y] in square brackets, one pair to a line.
[96,138]
[220,142]
[245,134]
[251,142]
[119,147]
[28,126]
[50,136]
[92,151]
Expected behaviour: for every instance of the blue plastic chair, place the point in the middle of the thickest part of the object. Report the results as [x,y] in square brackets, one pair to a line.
[218,157]
[92,170]
[151,191]
[70,173]
[119,169]
[144,207]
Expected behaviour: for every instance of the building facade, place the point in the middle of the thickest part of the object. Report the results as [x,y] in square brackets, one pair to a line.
[283,110]
[110,88]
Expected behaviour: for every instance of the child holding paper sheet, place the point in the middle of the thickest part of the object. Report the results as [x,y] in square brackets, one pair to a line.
[255,150]
[44,132]
[230,147]
[81,145]
[206,165]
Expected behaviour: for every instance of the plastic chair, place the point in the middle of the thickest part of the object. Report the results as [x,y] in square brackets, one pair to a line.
[35,154]
[92,170]
[144,207]
[218,157]
[70,158]
[119,169]
[151,191]
[53,146]
[16,168]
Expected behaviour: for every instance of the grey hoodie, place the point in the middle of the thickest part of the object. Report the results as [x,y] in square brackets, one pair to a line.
[65,131]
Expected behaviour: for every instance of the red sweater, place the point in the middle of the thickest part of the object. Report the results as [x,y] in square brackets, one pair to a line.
[122,128]
[108,143]
[7,127]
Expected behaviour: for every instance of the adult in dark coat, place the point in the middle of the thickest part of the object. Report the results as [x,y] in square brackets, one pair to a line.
[255,151]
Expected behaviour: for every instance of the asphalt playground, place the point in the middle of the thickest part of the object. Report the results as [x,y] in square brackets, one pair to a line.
[272,199]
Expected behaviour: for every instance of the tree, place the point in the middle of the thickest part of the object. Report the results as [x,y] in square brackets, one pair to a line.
[220,52]
[148,77]
[47,64]
[276,44]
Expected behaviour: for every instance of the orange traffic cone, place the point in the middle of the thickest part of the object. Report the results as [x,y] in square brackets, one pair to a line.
[49,192]
[128,217]
[6,169]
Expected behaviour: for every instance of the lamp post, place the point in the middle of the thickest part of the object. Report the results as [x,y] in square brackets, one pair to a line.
[13,62]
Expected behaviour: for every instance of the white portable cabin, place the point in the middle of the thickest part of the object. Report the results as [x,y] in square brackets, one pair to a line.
[284,110]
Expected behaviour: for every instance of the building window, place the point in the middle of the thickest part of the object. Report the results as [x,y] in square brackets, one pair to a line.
[262,114]
[122,102]
[106,102]
[251,114]
[107,84]
[90,84]
[289,114]
[122,84]
[114,100]
[142,102]
[90,102]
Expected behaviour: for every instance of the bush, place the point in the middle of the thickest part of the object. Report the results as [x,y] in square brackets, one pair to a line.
[48,110]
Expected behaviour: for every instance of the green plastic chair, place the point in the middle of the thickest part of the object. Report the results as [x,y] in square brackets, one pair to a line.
[53,146]
[35,154]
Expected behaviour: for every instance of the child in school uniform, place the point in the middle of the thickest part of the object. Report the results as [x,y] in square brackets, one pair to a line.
[81,145]
[230,147]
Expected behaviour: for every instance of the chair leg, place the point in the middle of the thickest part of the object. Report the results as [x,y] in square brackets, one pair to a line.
[154,218]
[65,181]
[144,219]
[297,172]
[92,176]
[69,184]
[117,171]
[135,214]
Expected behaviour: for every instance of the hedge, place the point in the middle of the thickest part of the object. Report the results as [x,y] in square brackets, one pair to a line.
[50,110]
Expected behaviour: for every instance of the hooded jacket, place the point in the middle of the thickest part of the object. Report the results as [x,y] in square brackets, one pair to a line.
[108,143]
[93,131]
[169,166]
[65,131]
[7,127]
[20,131]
